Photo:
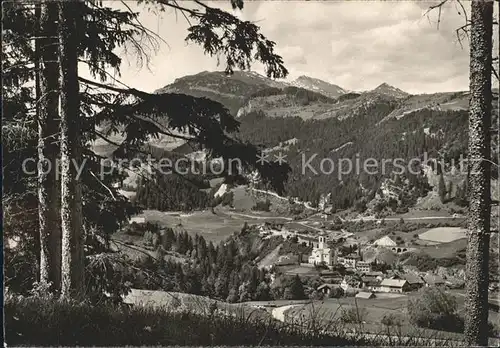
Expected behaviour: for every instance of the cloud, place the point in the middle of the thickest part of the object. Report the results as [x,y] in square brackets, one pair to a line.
[357,45]
[293,55]
[363,45]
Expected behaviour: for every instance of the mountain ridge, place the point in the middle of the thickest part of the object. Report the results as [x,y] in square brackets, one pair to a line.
[383,123]
[318,85]
[385,88]
[237,92]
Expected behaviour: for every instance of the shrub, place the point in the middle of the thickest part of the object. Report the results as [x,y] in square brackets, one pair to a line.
[336,292]
[227,199]
[353,315]
[316,295]
[391,320]
[423,262]
[262,205]
[295,290]
[296,209]
[360,205]
[435,309]
[320,266]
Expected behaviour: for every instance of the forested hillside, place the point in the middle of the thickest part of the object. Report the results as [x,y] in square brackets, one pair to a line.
[227,271]
[436,133]
[385,124]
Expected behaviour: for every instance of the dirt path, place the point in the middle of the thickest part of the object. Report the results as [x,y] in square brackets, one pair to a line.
[309,226]
[274,194]
[405,219]
[259,217]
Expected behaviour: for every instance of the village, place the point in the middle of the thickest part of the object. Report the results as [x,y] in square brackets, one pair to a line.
[359,268]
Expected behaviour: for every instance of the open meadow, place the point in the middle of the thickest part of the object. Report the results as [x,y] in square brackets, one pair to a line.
[443,234]
[177,301]
[214,227]
[371,312]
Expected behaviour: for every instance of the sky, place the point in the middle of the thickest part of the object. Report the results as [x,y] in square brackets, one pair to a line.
[354,44]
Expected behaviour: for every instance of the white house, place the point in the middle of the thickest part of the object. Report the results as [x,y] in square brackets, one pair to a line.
[350,261]
[363,266]
[322,254]
[394,285]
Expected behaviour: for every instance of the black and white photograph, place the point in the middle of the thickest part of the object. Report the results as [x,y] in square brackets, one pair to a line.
[250,173]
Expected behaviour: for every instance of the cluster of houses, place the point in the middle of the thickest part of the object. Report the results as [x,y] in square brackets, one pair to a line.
[322,254]
[360,278]
[377,282]
[364,281]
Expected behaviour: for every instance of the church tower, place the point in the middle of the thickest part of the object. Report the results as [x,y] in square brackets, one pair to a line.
[321,244]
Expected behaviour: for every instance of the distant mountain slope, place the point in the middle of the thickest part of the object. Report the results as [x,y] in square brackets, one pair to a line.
[389,90]
[361,126]
[231,91]
[447,101]
[384,123]
[307,104]
[435,101]
[317,85]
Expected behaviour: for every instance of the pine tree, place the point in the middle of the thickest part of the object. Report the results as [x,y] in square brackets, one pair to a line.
[72,266]
[442,188]
[263,292]
[19,200]
[297,289]
[96,205]
[253,281]
[46,60]
[449,190]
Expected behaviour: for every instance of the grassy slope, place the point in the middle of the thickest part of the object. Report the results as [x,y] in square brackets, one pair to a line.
[330,310]
[44,322]
[47,322]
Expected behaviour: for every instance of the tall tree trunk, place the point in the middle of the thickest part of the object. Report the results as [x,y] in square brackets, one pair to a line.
[48,150]
[476,305]
[72,236]
[38,94]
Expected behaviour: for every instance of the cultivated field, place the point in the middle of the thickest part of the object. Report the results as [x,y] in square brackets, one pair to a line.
[443,234]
